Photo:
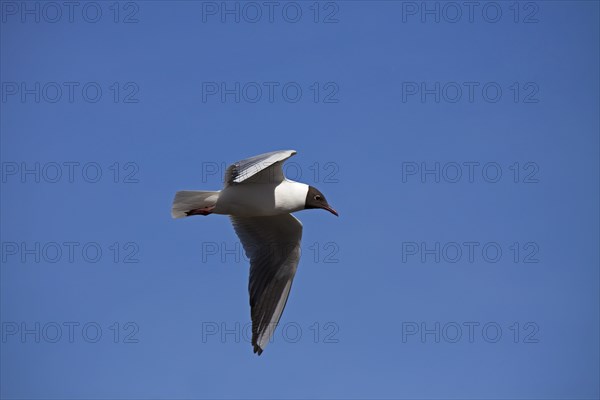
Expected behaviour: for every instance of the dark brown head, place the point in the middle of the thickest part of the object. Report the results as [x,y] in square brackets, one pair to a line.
[315,199]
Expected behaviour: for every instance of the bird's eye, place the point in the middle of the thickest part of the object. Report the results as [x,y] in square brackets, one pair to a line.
[317,197]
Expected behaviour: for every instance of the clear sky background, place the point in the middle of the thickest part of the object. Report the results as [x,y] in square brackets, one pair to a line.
[383,304]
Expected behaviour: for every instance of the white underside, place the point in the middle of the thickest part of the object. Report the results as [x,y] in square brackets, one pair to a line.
[262,199]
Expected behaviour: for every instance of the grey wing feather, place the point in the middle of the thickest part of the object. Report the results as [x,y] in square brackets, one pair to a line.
[273,246]
[269,165]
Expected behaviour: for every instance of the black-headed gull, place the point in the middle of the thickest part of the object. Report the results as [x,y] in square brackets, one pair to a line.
[259,199]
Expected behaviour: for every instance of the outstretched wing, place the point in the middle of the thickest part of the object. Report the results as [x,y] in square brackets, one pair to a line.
[262,168]
[273,246]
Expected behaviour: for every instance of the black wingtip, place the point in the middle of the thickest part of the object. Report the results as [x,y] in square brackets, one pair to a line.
[257,349]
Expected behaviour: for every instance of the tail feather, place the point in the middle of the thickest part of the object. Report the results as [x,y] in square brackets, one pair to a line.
[187,200]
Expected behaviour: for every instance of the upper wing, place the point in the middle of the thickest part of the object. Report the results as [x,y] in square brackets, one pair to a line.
[273,246]
[269,165]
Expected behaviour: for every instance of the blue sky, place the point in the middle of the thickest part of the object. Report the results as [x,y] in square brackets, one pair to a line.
[459,145]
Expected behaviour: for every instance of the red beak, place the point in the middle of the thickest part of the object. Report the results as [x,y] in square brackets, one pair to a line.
[331,210]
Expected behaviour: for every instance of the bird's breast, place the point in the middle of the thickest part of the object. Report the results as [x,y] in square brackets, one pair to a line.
[258,199]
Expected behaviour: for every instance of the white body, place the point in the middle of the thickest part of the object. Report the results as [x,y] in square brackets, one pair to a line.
[262,199]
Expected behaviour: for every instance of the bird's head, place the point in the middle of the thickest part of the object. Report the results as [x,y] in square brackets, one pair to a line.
[316,199]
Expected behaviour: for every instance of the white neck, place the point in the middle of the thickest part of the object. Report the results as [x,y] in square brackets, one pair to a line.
[290,196]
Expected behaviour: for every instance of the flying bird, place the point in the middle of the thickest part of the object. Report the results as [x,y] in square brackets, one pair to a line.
[259,199]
